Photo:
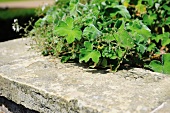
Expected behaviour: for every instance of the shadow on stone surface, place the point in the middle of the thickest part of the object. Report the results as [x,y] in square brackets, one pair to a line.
[10,106]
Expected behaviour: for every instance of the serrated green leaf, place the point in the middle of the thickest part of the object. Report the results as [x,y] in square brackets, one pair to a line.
[62,24]
[166,63]
[39,22]
[166,7]
[66,28]
[72,35]
[73,7]
[139,39]
[109,53]
[61,31]
[156,66]
[166,58]
[151,47]
[141,8]
[124,12]
[120,53]
[69,22]
[149,19]
[91,32]
[137,27]
[141,48]
[167,69]
[120,9]
[150,2]
[87,31]
[167,22]
[88,45]
[49,19]
[161,67]
[124,39]
[165,41]
[86,55]
[113,57]
[109,38]
[165,38]
[157,38]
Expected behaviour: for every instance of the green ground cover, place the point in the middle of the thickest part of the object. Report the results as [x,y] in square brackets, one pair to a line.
[115,34]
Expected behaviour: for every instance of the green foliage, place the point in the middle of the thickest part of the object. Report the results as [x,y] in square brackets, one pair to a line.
[67,29]
[162,67]
[107,33]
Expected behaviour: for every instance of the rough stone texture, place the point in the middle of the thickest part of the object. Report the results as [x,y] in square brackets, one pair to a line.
[45,85]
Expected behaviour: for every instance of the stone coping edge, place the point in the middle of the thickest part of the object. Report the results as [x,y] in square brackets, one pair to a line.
[39,100]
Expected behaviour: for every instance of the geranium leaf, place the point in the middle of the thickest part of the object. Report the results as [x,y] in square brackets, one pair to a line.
[109,38]
[119,9]
[86,55]
[73,7]
[165,39]
[124,39]
[123,11]
[156,66]
[66,28]
[69,22]
[91,32]
[88,45]
[166,63]
[141,8]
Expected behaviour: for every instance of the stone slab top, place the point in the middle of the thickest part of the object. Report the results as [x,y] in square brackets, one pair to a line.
[46,85]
